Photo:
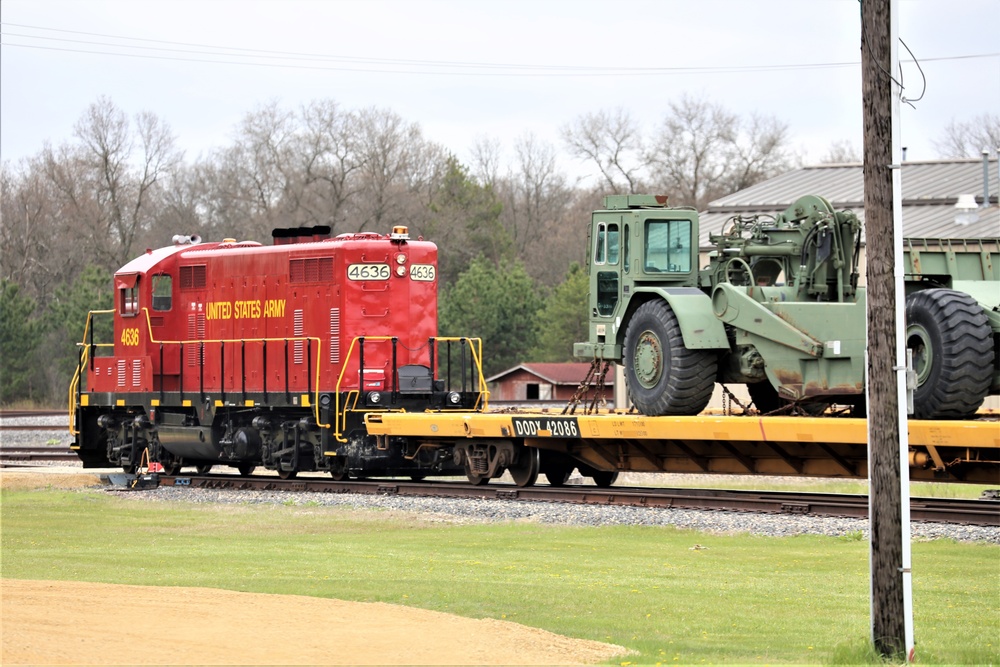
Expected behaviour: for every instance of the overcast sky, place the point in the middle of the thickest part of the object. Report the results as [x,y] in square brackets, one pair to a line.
[464,69]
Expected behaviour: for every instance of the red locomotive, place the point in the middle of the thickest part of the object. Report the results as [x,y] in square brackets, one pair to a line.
[244,355]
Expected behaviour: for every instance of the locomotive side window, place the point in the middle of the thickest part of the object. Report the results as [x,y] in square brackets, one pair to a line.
[128,300]
[162,291]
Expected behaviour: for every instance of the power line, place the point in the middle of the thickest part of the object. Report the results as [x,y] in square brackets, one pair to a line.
[271,58]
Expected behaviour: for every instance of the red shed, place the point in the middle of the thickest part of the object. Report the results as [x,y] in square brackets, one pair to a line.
[541,382]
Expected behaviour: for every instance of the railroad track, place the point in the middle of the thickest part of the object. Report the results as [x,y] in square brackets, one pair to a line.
[939,510]
[9,455]
[22,414]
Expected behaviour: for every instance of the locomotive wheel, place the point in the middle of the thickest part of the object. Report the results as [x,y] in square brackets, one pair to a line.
[204,468]
[246,469]
[171,469]
[604,478]
[953,353]
[287,474]
[418,477]
[663,376]
[525,472]
[339,475]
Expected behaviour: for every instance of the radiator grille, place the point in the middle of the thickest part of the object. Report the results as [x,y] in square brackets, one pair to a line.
[310,270]
[121,372]
[335,335]
[297,330]
[196,331]
[193,277]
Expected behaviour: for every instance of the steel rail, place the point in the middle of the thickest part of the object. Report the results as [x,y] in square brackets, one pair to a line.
[19,414]
[942,510]
[22,454]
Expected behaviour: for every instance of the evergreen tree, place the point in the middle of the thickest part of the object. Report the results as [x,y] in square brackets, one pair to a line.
[66,318]
[465,223]
[563,319]
[497,303]
[18,342]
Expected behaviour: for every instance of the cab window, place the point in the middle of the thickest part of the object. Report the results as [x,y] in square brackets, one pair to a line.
[668,246]
[608,244]
[162,291]
[128,300]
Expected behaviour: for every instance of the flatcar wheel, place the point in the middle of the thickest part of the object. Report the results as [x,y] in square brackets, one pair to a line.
[525,472]
[204,468]
[558,477]
[287,474]
[171,469]
[246,469]
[339,475]
[604,478]
[476,480]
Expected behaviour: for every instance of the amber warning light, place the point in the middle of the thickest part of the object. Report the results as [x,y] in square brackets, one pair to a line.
[400,233]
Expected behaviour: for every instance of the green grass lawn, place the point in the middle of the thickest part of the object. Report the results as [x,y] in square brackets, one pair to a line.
[738,599]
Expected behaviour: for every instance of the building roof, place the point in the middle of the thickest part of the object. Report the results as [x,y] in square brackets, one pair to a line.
[571,373]
[930,192]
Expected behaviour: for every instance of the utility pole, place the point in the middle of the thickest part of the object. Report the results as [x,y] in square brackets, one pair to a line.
[888,471]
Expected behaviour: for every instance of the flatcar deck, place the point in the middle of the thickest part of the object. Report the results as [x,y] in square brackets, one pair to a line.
[956,451]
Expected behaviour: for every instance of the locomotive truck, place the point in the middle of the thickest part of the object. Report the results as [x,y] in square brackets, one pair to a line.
[245,355]
[778,307]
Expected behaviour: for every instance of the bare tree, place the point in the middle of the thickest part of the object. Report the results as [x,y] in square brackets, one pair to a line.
[690,155]
[704,151]
[486,156]
[969,138]
[330,162]
[395,164]
[841,152]
[611,140]
[759,150]
[123,170]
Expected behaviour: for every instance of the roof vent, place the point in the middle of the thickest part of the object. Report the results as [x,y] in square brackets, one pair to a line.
[965,207]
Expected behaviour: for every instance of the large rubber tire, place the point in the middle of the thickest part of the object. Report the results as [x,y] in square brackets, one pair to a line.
[952,346]
[663,376]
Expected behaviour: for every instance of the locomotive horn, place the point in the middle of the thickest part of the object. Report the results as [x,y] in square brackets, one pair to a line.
[181,239]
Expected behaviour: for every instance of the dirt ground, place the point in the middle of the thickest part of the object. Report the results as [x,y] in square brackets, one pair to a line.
[81,623]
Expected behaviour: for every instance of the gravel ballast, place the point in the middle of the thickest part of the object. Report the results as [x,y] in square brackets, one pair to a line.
[466,511]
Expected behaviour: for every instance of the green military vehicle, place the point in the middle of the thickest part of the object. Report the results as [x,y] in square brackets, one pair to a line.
[777,307]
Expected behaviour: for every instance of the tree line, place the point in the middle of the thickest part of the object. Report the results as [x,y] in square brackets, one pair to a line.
[509,222]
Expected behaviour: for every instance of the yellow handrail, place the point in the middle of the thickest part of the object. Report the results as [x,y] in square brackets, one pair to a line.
[340,417]
[84,360]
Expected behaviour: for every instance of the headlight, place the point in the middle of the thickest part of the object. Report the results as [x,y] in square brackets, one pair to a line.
[454,398]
